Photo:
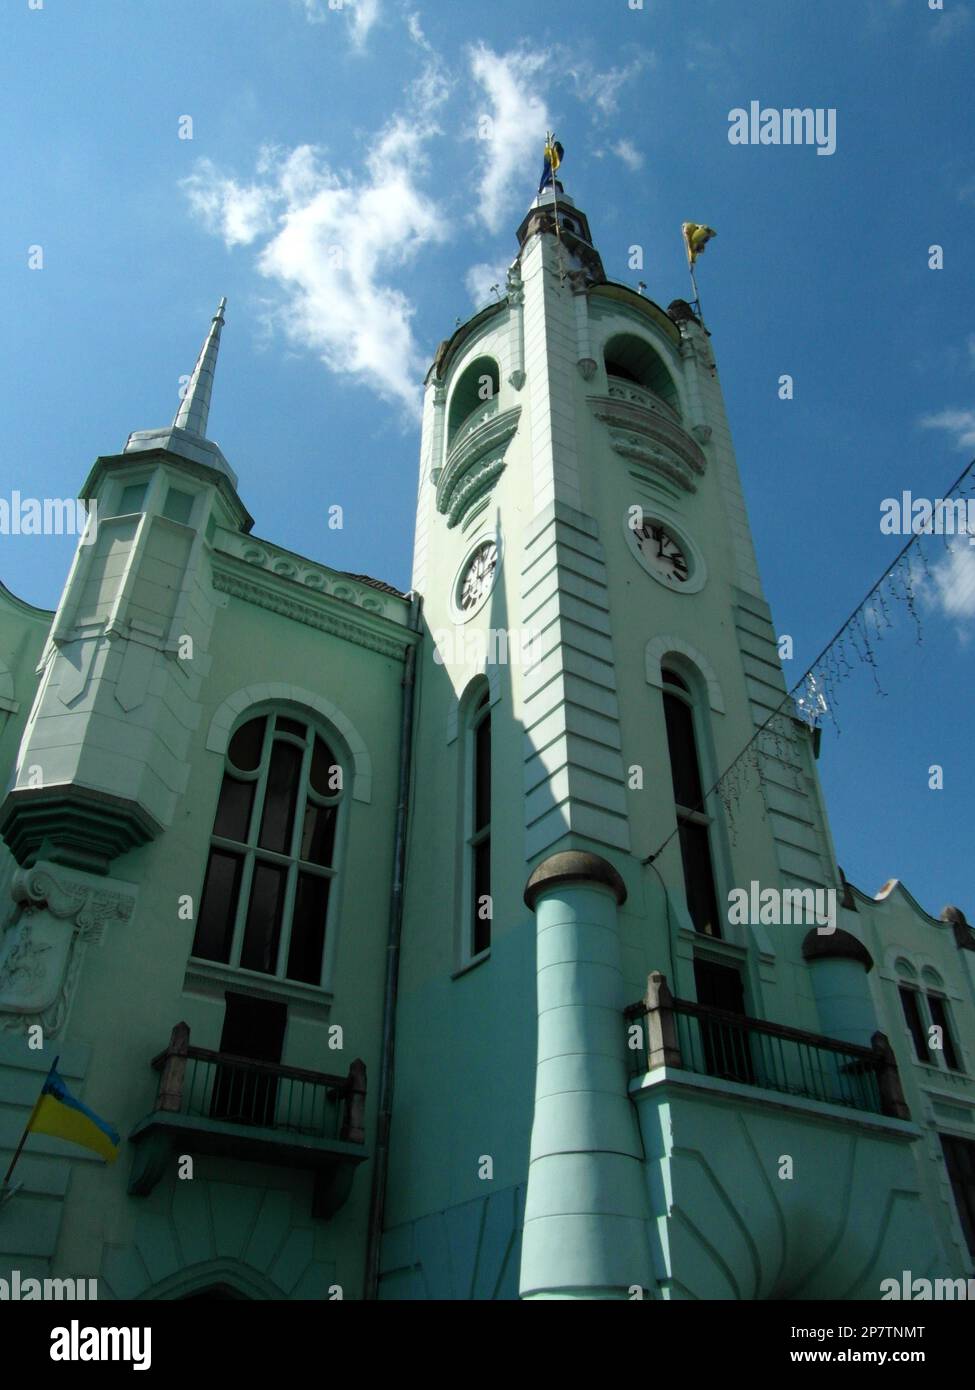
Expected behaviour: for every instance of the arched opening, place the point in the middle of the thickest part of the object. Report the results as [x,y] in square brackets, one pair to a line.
[476,390]
[632,359]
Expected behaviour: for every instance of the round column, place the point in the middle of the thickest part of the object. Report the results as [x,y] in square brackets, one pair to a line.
[586,1213]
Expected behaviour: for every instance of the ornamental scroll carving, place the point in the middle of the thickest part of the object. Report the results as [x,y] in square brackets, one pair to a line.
[57,913]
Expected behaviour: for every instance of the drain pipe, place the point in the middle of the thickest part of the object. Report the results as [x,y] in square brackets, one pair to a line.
[384,1115]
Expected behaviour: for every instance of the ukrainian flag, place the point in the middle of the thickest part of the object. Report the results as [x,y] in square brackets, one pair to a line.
[553,158]
[61,1115]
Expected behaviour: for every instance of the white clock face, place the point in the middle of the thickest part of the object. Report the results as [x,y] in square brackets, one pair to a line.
[662,552]
[478,577]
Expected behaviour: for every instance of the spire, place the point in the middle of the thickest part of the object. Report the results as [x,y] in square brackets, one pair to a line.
[194,408]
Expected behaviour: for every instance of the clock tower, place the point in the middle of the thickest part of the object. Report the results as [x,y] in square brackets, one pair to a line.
[601,651]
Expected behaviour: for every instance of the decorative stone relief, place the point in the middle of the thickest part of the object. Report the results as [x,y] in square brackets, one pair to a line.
[57,913]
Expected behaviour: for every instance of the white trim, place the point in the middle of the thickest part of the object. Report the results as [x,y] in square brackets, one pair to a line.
[659,647]
[222,724]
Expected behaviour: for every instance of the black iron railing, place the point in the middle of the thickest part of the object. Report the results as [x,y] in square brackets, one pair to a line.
[688,1036]
[197,1082]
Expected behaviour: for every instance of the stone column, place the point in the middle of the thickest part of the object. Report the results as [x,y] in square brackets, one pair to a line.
[586,1214]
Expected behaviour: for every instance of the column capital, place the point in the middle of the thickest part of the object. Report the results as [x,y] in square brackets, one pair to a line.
[573,866]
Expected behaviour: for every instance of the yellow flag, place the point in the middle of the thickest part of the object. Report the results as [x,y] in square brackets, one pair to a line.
[696,237]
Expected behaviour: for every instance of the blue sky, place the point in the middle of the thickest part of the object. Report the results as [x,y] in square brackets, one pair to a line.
[315,127]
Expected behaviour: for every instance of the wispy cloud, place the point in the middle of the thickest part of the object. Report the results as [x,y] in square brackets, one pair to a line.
[960,423]
[361,15]
[599,90]
[335,243]
[948,25]
[483,278]
[511,129]
[953,580]
[629,154]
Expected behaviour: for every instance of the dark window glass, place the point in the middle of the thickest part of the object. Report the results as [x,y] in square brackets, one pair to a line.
[322,764]
[318,834]
[308,929]
[252,1028]
[939,1016]
[683,753]
[726,1046]
[218,906]
[482,774]
[246,744]
[617,369]
[695,851]
[960,1162]
[290,726]
[672,679]
[279,799]
[912,1012]
[234,809]
[482,890]
[263,929]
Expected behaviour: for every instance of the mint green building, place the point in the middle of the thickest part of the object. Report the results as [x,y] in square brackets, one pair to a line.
[338,902]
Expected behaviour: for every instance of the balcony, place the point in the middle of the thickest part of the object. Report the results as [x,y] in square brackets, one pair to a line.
[779,1163]
[691,1037]
[214,1103]
[623,390]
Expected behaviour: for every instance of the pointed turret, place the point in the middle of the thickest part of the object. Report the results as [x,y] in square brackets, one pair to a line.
[187,435]
[194,408]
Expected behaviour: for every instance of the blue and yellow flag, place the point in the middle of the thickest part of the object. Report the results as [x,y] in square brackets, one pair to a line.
[61,1115]
[696,238]
[553,158]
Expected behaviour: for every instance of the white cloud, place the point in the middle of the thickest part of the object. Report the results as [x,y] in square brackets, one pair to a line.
[629,154]
[954,581]
[517,120]
[482,278]
[600,90]
[960,423]
[416,32]
[949,24]
[336,244]
[361,15]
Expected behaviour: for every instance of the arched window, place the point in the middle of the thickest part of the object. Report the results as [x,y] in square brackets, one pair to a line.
[480,903]
[269,878]
[476,391]
[693,821]
[628,358]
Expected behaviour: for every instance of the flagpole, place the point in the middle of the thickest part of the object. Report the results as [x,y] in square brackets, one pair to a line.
[30,1121]
[550,144]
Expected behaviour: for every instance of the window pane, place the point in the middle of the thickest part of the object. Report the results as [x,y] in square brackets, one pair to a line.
[481,935]
[246,745]
[308,929]
[939,1016]
[695,852]
[179,505]
[279,798]
[912,1012]
[960,1162]
[318,834]
[131,499]
[291,726]
[234,809]
[323,767]
[683,753]
[218,905]
[263,929]
[482,773]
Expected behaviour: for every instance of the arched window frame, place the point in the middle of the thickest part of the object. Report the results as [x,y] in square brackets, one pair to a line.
[475,933]
[665,387]
[694,696]
[484,364]
[293,862]
[916,989]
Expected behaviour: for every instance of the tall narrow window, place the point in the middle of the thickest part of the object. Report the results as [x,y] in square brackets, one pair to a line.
[915,1023]
[939,1017]
[693,822]
[960,1162]
[269,878]
[479,840]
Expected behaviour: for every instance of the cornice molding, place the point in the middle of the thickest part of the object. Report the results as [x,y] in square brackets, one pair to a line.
[642,433]
[301,607]
[466,475]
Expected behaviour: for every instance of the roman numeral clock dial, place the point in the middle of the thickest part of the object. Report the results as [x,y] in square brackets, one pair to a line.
[662,553]
[478,576]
